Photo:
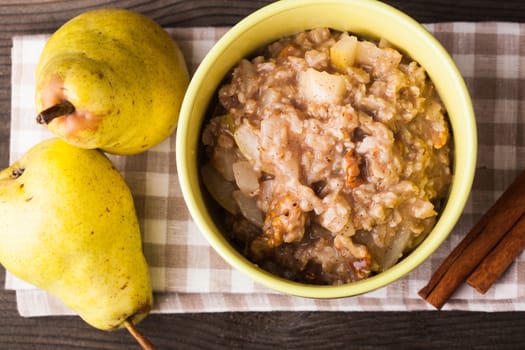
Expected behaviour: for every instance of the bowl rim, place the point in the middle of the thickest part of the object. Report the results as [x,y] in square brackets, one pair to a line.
[219,243]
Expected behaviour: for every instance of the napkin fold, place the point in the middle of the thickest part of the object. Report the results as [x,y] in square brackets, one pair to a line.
[188,276]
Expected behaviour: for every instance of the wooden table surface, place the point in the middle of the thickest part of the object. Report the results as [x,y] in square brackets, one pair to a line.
[283,330]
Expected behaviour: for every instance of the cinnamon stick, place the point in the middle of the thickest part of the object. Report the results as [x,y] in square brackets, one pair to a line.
[498,261]
[477,244]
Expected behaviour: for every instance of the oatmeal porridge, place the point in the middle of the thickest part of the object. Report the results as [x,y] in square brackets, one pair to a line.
[330,155]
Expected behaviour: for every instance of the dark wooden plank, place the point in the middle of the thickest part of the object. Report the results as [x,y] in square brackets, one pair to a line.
[290,330]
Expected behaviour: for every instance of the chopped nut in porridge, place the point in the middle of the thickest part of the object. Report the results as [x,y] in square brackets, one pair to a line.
[330,155]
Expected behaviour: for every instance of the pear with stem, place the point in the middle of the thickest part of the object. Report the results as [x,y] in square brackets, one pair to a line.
[111,79]
[68,225]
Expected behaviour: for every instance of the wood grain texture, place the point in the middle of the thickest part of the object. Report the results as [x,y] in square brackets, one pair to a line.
[282,330]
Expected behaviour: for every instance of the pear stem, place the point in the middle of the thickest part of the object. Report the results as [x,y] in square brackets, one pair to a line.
[139,337]
[62,108]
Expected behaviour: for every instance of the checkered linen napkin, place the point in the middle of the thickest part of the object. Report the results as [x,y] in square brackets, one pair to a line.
[188,276]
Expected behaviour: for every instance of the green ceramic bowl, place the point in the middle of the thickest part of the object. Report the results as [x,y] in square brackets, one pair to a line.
[365,17]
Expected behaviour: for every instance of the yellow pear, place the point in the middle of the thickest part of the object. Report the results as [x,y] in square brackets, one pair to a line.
[111,79]
[68,225]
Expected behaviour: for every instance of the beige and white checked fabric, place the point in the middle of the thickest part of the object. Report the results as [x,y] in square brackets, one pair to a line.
[188,276]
